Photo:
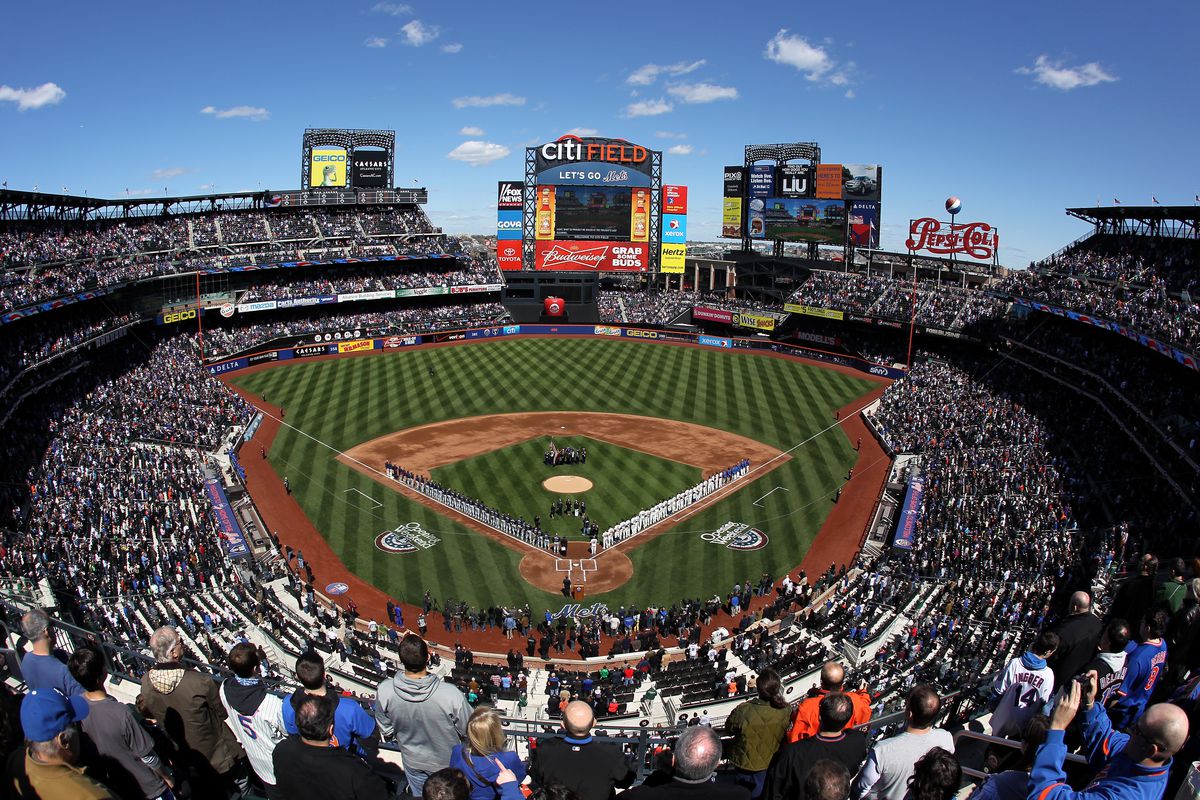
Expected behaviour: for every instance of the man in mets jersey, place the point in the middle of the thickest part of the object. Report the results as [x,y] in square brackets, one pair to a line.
[1023,688]
[1143,667]
[257,712]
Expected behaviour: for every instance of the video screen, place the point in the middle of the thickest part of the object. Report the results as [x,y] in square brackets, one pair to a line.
[590,213]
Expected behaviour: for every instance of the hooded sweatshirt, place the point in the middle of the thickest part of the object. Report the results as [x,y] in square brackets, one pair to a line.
[259,721]
[425,716]
[1020,692]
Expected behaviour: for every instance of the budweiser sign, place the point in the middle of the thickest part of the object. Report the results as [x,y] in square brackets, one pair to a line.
[974,239]
[593,256]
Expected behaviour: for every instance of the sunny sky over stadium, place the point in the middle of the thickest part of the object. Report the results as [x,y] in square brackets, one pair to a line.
[1021,109]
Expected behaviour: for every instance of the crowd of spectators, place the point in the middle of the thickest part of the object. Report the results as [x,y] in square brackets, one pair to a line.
[49,261]
[373,277]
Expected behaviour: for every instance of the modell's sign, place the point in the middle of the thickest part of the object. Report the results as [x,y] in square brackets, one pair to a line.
[973,239]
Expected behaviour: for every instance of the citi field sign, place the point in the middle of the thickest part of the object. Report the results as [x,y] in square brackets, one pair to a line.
[591,161]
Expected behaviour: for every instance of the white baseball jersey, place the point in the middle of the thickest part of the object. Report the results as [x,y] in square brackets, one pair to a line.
[1023,691]
[259,732]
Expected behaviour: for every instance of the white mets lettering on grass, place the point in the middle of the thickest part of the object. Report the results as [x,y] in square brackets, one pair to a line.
[737,536]
[407,538]
[577,611]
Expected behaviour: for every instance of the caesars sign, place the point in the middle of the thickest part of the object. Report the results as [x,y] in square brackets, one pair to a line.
[973,239]
[328,167]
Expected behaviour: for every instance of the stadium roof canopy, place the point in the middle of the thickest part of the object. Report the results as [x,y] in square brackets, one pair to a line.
[1175,221]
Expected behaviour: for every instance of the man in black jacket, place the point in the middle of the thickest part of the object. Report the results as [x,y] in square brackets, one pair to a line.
[695,755]
[590,768]
[1136,595]
[307,768]
[849,747]
[1078,636]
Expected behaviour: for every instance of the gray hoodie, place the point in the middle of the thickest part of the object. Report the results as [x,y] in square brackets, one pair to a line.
[425,716]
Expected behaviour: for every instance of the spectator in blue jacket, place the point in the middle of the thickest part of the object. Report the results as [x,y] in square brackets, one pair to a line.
[484,757]
[1131,766]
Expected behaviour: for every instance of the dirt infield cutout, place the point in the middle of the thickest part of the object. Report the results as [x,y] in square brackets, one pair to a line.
[428,447]
[566,484]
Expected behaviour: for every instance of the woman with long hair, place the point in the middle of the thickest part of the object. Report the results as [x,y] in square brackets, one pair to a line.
[480,758]
[758,727]
[935,777]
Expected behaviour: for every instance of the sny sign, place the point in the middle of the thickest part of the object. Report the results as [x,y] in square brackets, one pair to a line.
[975,239]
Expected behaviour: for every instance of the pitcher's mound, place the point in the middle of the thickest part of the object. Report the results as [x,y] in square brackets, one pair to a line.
[566,484]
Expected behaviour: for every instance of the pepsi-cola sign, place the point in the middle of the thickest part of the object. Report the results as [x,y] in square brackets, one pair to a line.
[973,239]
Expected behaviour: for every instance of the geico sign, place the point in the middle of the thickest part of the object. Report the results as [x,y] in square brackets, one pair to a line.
[636,334]
[179,316]
[328,157]
[579,151]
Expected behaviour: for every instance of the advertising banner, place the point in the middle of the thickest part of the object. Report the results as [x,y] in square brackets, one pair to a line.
[261,305]
[735,181]
[356,346]
[712,314]
[370,169]
[910,509]
[762,180]
[592,161]
[228,366]
[544,223]
[674,228]
[423,291]
[508,254]
[593,256]
[731,218]
[757,321]
[383,294]
[862,181]
[829,181]
[812,311]
[508,224]
[393,342]
[307,350]
[509,196]
[714,341]
[639,217]
[817,338]
[476,287]
[973,239]
[172,317]
[797,220]
[673,257]
[864,223]
[259,358]
[674,200]
[796,180]
[328,167]
[233,542]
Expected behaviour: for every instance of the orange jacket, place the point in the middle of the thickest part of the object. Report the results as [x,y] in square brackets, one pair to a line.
[807,719]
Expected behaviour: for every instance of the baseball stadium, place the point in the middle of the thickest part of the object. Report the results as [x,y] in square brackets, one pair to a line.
[582,504]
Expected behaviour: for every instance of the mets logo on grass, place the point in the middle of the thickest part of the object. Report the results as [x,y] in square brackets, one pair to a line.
[737,536]
[407,538]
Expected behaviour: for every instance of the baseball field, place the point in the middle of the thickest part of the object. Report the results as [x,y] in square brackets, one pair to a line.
[656,419]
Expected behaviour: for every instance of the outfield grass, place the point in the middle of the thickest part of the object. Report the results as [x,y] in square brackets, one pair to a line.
[624,481]
[336,404]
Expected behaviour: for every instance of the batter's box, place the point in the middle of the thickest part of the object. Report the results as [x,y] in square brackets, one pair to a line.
[569,566]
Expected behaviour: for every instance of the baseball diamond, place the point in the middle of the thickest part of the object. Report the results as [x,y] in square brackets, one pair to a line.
[477,417]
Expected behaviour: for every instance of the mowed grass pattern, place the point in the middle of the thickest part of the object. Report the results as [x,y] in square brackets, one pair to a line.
[624,481]
[335,404]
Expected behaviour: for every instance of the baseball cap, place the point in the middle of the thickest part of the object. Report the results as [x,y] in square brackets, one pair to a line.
[45,713]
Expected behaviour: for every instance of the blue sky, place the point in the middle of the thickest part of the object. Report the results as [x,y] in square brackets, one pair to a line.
[1021,109]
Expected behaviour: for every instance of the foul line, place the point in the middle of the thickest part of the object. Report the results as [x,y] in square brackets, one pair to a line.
[364,494]
[758,502]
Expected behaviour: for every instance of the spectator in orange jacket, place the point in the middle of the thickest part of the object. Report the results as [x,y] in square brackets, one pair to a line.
[807,719]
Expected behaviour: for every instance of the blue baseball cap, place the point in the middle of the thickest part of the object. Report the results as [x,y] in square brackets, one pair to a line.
[45,713]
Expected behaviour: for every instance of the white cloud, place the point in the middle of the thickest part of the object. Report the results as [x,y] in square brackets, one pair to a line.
[648,73]
[252,113]
[470,130]
[795,51]
[47,94]
[680,150]
[702,92]
[394,9]
[476,153]
[1056,76]
[207,187]
[648,108]
[169,172]
[475,101]
[454,47]
[417,33]
[375,41]
[850,94]
[670,135]
[583,131]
